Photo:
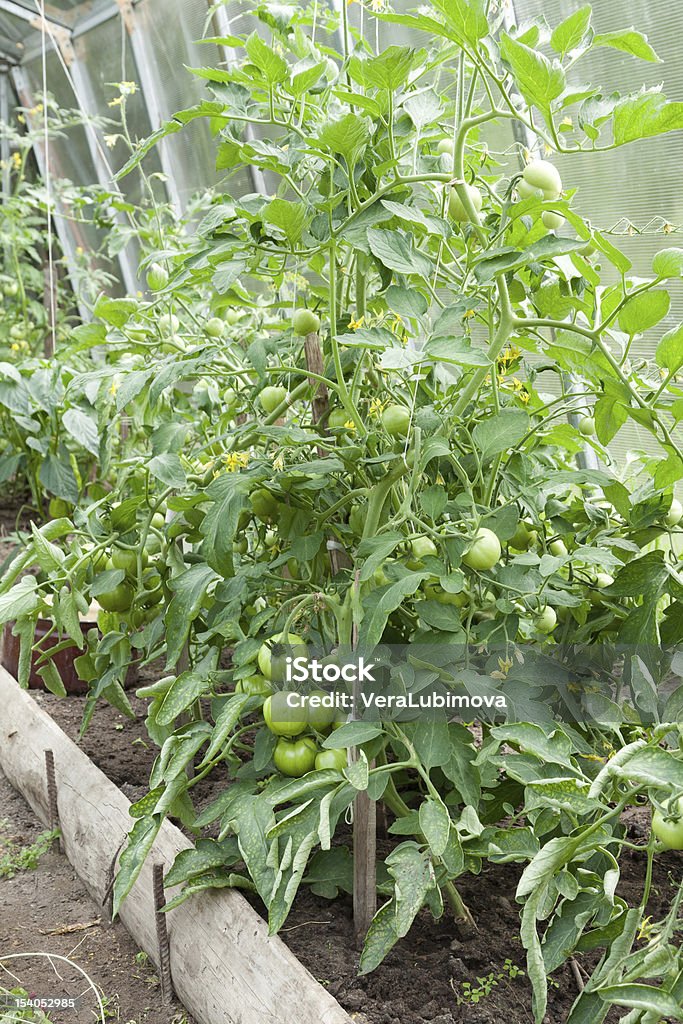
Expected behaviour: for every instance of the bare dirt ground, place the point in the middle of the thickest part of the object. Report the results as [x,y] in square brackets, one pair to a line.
[46,910]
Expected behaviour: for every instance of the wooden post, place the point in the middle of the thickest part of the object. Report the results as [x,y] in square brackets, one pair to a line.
[321,404]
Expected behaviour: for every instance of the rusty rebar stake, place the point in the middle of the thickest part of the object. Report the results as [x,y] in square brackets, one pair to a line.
[162,934]
[52,808]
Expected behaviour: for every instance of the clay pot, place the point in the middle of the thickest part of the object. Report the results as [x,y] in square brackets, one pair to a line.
[64,660]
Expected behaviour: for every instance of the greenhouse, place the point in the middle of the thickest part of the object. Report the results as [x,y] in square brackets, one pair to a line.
[341,512]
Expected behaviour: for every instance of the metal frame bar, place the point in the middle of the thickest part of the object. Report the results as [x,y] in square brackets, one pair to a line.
[144,62]
[4,142]
[25,95]
[31,15]
[223,27]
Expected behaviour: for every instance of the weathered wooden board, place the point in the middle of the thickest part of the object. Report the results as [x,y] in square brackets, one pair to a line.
[226,968]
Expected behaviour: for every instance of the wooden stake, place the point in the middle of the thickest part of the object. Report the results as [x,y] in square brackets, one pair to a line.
[364,839]
[53,809]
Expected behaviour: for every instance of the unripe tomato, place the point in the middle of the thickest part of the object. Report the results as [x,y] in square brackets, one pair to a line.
[59,508]
[553,221]
[17,332]
[457,211]
[264,505]
[331,759]
[675,513]
[602,581]
[319,717]
[484,552]
[169,324]
[305,321]
[558,548]
[122,558]
[541,174]
[587,426]
[215,327]
[547,620]
[280,718]
[271,397]
[396,420]
[119,599]
[460,600]
[526,190]
[255,686]
[157,277]
[10,289]
[669,828]
[231,399]
[445,146]
[521,539]
[232,316]
[337,419]
[272,665]
[295,757]
[421,547]
[240,546]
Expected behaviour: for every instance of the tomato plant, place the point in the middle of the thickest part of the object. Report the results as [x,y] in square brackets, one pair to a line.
[365,456]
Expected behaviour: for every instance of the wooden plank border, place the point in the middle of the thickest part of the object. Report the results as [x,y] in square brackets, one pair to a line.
[226,968]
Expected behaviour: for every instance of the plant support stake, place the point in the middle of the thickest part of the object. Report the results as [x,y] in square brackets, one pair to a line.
[162,934]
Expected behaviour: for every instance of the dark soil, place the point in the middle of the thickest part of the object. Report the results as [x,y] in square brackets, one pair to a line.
[47,911]
[422,978]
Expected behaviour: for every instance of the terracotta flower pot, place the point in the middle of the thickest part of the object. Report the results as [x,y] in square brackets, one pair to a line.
[64,660]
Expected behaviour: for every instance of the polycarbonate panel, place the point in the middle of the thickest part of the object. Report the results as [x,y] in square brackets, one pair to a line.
[171,29]
[106,54]
[69,156]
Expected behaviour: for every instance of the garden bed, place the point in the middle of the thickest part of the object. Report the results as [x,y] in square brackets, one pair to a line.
[426,977]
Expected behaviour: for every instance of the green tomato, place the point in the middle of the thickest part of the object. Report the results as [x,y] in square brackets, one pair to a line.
[305,321]
[445,146]
[319,717]
[157,277]
[10,289]
[280,718]
[396,420]
[422,547]
[17,332]
[526,191]
[215,327]
[264,505]
[119,599]
[337,419]
[484,552]
[541,174]
[547,620]
[522,537]
[58,508]
[233,316]
[457,211]
[255,686]
[553,221]
[169,324]
[122,558]
[460,600]
[675,513]
[295,757]
[231,399]
[272,654]
[240,546]
[669,827]
[271,397]
[602,581]
[558,548]
[331,759]
[587,426]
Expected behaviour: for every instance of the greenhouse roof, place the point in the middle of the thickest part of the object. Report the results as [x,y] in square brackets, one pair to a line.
[21,21]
